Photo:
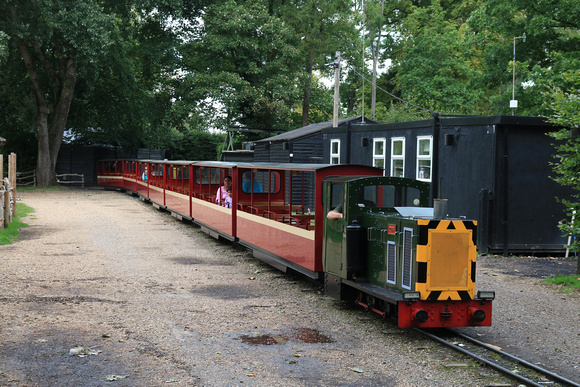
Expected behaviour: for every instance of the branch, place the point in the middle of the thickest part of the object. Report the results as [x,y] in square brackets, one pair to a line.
[34,77]
[45,63]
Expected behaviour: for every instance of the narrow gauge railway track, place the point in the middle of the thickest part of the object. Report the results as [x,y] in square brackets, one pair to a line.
[527,373]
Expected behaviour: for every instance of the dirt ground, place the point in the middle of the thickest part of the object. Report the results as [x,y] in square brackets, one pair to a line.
[104,290]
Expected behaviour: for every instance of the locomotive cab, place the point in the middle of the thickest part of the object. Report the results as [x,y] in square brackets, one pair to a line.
[363,200]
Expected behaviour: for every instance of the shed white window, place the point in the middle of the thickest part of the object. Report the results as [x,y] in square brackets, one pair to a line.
[334,151]
[398,156]
[379,152]
[424,157]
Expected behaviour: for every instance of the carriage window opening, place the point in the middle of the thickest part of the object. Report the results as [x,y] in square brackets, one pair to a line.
[176,172]
[334,151]
[398,156]
[424,154]
[379,153]
[156,170]
[202,175]
[263,182]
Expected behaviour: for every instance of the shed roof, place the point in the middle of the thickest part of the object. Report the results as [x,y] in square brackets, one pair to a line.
[311,129]
[2,141]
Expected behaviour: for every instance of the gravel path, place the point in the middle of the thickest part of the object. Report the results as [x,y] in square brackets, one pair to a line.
[105,290]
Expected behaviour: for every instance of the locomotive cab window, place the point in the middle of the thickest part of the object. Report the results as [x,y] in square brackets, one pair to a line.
[336,196]
[388,196]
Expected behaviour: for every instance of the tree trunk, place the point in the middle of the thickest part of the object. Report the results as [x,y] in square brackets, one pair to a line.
[376,51]
[374,85]
[61,110]
[50,125]
[307,89]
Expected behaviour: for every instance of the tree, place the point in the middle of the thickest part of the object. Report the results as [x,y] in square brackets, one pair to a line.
[435,65]
[380,19]
[322,28]
[52,38]
[125,100]
[242,64]
[100,67]
[552,29]
[566,112]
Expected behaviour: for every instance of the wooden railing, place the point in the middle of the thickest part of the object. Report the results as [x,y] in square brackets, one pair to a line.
[25,179]
[71,178]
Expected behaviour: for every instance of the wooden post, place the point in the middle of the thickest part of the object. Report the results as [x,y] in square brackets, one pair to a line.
[1,205]
[12,178]
[2,193]
[7,213]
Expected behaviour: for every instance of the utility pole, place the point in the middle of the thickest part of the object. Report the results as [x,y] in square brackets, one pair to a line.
[514,101]
[336,65]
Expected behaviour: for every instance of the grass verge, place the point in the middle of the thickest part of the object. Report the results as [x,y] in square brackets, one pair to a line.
[11,233]
[569,283]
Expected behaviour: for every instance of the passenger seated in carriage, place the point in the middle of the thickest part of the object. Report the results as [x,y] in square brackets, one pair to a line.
[222,192]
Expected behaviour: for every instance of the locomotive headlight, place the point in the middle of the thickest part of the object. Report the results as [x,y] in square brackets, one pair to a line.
[411,296]
[486,295]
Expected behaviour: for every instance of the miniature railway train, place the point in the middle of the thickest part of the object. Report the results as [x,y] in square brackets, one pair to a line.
[387,253]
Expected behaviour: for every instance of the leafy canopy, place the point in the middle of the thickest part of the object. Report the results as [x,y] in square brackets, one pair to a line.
[566,108]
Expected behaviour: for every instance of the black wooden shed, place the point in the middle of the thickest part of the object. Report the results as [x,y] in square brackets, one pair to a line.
[495,169]
[303,145]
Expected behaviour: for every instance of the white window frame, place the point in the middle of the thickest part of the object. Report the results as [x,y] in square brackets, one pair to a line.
[335,157]
[382,156]
[419,175]
[395,157]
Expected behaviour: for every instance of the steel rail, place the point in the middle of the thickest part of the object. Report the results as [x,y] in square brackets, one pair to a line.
[544,371]
[495,365]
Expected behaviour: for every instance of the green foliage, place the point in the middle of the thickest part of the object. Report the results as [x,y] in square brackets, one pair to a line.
[400,112]
[552,47]
[195,145]
[570,283]
[10,234]
[124,102]
[246,61]
[3,46]
[566,112]
[435,65]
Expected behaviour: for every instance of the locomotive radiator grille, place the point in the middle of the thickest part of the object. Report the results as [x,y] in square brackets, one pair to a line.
[391,263]
[407,257]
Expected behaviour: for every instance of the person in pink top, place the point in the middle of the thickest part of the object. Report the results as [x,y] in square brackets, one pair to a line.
[222,192]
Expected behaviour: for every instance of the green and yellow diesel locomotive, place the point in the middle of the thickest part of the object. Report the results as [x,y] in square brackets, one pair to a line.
[391,254]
